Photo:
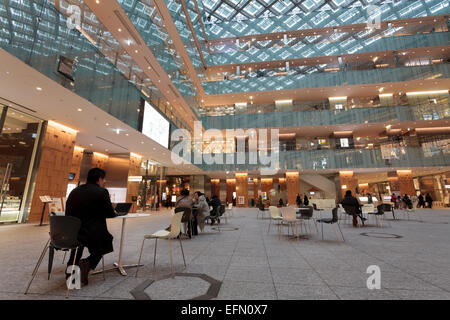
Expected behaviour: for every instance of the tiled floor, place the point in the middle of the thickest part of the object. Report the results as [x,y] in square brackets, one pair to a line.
[250,263]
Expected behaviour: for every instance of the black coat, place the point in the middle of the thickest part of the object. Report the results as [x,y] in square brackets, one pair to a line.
[92,205]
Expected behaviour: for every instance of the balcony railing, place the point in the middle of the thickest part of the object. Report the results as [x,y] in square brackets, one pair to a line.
[406,157]
[328,79]
[328,117]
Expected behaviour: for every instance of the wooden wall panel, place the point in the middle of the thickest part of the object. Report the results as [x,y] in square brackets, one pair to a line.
[255,189]
[242,188]
[99,160]
[231,187]
[215,187]
[54,168]
[348,180]
[406,183]
[293,186]
[76,164]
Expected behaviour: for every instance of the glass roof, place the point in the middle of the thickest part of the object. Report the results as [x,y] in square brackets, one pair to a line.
[232,18]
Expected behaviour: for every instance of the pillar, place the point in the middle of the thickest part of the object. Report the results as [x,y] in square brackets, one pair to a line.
[347,180]
[134,170]
[266,186]
[292,186]
[241,189]
[406,183]
[231,187]
[99,160]
[393,181]
[54,167]
[255,190]
[75,167]
[215,187]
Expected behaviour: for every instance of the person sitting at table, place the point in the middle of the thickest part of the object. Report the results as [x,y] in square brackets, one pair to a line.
[91,204]
[201,211]
[351,201]
[184,201]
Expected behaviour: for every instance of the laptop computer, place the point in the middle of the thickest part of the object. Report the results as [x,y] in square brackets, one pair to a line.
[122,209]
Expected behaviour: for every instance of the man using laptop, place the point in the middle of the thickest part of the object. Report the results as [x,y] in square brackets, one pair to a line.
[91,204]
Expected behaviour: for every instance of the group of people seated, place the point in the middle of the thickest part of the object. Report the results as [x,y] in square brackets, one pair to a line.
[199,210]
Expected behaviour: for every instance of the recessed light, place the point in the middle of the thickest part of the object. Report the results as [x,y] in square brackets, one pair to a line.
[79,109]
[38,88]
[120,30]
[107,124]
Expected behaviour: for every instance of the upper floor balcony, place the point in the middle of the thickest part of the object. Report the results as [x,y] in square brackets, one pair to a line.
[328,117]
[341,44]
[318,78]
[384,158]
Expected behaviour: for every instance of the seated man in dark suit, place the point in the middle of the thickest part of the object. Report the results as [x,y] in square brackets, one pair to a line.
[91,204]
[351,201]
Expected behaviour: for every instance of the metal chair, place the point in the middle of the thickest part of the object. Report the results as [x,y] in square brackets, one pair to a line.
[261,210]
[215,216]
[186,219]
[289,217]
[376,214]
[308,216]
[175,228]
[388,207]
[274,215]
[63,236]
[333,220]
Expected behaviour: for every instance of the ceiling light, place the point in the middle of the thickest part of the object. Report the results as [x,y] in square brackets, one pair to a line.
[79,109]
[38,88]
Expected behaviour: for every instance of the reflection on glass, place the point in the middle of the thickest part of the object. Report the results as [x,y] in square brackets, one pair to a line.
[17,143]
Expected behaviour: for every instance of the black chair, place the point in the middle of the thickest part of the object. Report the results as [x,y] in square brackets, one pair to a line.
[215,216]
[63,236]
[388,207]
[379,212]
[315,207]
[353,211]
[261,210]
[307,215]
[333,220]
[186,219]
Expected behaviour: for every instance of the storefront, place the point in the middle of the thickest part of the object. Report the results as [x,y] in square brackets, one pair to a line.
[19,139]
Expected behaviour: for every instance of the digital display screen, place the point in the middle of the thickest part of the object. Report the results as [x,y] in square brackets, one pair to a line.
[155,126]
[71,176]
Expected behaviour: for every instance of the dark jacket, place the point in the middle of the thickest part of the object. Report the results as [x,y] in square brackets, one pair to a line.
[92,205]
[351,201]
[306,201]
[298,200]
[215,202]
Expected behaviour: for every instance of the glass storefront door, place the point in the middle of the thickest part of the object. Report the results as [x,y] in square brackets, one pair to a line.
[19,135]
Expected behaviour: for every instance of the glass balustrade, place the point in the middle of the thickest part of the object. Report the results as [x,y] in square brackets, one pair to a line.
[328,117]
[350,44]
[329,79]
[404,157]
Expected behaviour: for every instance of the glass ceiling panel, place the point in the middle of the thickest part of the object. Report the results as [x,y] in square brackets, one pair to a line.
[147,21]
[286,15]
